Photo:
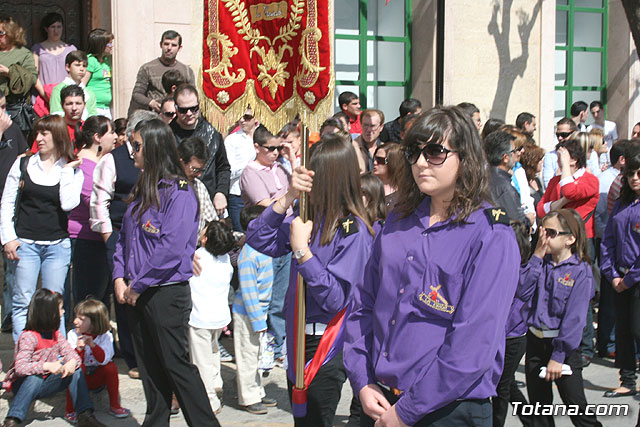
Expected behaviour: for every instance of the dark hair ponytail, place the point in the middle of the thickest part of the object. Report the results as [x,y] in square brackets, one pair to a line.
[93,125]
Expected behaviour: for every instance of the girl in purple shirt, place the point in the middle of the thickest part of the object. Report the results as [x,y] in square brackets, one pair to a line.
[560,284]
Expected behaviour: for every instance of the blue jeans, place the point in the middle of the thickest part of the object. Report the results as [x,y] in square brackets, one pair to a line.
[27,389]
[90,274]
[275,316]
[52,262]
[234,207]
[7,290]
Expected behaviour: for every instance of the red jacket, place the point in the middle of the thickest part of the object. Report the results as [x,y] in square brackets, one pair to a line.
[583,193]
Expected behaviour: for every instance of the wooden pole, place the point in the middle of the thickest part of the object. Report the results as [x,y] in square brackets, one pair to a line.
[300,290]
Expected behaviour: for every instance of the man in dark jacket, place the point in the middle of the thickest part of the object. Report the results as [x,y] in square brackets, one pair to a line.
[499,149]
[217,172]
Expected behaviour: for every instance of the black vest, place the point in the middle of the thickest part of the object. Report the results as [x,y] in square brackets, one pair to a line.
[40,216]
[126,178]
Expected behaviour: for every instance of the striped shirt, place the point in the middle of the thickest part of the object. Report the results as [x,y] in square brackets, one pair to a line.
[207,211]
[614,193]
[255,274]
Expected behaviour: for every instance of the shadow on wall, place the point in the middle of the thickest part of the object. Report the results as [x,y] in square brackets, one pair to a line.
[509,69]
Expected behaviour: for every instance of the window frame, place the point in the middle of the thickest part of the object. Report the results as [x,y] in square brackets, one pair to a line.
[569,88]
[363,83]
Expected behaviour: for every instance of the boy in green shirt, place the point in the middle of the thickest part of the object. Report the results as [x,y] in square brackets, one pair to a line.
[76,66]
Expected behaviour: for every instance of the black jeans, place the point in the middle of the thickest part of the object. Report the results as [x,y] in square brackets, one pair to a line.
[461,413]
[571,387]
[159,324]
[323,394]
[124,334]
[507,390]
[627,309]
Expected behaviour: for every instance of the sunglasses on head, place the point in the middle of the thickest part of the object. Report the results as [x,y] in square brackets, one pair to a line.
[137,146]
[184,110]
[552,233]
[433,153]
[169,113]
[247,117]
[272,148]
[380,160]
[563,135]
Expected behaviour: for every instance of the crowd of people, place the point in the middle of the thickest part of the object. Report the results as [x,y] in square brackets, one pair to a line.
[419,230]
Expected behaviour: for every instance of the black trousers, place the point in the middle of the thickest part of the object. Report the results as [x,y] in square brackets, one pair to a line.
[627,309]
[461,413]
[507,390]
[159,323]
[124,333]
[571,387]
[323,394]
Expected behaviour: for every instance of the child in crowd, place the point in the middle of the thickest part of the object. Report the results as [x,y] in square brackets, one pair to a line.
[373,198]
[120,126]
[210,311]
[255,273]
[76,66]
[559,281]
[45,363]
[93,342]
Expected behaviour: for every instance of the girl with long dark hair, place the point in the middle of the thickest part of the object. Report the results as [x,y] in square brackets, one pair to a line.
[90,273]
[425,341]
[151,269]
[330,252]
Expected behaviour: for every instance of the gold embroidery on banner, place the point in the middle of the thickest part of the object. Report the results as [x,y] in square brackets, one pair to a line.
[221,50]
[436,301]
[272,70]
[309,55]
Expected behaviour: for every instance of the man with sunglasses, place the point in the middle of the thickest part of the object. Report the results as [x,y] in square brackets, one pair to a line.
[500,150]
[564,129]
[168,109]
[240,151]
[189,122]
[148,90]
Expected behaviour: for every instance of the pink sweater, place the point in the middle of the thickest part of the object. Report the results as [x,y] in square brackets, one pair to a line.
[32,351]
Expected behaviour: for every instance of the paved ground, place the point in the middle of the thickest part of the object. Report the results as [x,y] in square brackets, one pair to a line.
[598,377]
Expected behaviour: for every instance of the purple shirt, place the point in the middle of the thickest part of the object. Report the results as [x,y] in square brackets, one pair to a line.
[159,248]
[620,248]
[560,295]
[51,68]
[330,275]
[518,313]
[429,318]
[79,217]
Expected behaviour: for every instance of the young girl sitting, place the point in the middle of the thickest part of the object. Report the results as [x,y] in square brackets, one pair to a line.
[558,277]
[44,363]
[210,310]
[94,344]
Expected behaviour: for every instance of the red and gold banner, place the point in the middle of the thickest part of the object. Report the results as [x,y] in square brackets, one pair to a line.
[276,56]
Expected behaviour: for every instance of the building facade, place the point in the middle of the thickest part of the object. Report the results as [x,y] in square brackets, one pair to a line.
[505,56]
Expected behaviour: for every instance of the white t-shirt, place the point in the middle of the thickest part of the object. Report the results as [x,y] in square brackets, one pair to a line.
[210,292]
[105,341]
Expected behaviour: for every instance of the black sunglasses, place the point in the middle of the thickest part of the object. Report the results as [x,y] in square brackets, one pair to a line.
[563,135]
[137,146]
[552,232]
[380,160]
[185,110]
[272,148]
[433,153]
[168,113]
[247,117]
